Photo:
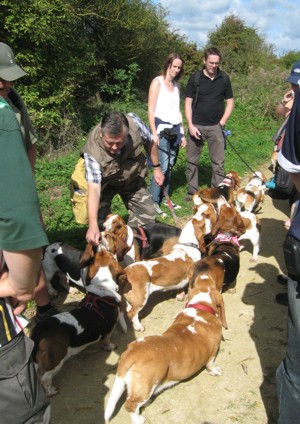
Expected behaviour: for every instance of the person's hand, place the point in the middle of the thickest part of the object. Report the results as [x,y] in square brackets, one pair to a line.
[288,97]
[156,139]
[93,235]
[183,142]
[158,176]
[18,306]
[194,132]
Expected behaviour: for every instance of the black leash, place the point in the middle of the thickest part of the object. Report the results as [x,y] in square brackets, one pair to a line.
[226,133]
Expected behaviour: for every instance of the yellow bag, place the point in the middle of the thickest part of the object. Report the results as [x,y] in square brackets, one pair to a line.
[79,192]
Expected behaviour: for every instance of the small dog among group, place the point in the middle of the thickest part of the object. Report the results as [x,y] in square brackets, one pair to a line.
[230,183]
[65,334]
[250,197]
[64,261]
[154,363]
[144,242]
[168,272]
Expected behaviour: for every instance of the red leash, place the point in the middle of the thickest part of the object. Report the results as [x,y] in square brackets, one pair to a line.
[170,204]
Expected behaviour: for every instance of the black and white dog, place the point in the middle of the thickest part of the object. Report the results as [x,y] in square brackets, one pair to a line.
[65,261]
[65,334]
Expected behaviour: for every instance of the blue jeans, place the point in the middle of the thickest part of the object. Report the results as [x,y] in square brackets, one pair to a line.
[167,154]
[288,372]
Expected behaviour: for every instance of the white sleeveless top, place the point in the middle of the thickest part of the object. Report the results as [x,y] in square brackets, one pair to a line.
[167,105]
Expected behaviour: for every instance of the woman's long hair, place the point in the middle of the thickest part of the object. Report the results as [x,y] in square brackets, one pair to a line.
[168,62]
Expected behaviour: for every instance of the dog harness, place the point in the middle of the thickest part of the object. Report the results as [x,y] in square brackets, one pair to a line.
[91,301]
[201,307]
[226,237]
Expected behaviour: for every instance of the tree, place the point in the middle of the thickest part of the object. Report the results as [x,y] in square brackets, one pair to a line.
[72,48]
[289,59]
[241,46]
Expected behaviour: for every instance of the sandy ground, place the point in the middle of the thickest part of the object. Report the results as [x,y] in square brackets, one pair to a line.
[250,352]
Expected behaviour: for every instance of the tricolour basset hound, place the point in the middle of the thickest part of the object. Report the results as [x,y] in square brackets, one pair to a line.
[144,242]
[63,335]
[168,272]
[226,188]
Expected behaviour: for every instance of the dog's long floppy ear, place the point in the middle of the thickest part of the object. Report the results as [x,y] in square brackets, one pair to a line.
[121,248]
[197,201]
[241,228]
[221,309]
[237,181]
[88,254]
[118,271]
[218,225]
[123,283]
[210,214]
[199,228]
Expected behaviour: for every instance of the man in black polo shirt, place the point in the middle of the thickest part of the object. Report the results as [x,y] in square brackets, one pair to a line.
[208,106]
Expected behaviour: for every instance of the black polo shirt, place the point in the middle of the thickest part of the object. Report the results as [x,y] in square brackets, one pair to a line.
[211,98]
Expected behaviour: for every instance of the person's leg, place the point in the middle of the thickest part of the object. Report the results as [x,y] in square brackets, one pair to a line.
[163,156]
[139,203]
[288,372]
[194,149]
[44,308]
[216,147]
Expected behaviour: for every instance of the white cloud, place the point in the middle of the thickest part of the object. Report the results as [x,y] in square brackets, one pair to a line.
[277,22]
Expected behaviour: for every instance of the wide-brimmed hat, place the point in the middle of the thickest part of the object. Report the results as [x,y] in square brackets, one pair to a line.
[9,70]
[294,78]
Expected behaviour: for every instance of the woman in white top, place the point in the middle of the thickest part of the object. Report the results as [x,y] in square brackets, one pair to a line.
[165,121]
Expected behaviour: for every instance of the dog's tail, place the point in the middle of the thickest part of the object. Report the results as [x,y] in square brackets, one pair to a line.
[116,393]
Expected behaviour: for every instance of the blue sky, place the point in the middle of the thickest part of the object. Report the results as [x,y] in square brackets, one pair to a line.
[278,22]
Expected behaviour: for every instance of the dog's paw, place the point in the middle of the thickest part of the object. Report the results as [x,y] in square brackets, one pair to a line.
[109,347]
[214,370]
[137,325]
[51,390]
[231,291]
[73,290]
[137,418]
[253,259]
[180,296]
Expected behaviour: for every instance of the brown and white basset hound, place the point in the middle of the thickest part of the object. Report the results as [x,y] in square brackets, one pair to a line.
[168,272]
[144,242]
[253,233]
[250,197]
[66,334]
[211,194]
[152,364]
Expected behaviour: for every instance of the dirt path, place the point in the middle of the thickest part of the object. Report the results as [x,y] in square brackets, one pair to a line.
[253,346]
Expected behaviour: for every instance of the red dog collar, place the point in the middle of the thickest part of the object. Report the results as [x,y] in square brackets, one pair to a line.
[201,307]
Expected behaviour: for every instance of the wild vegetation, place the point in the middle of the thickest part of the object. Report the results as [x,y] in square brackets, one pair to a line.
[84,58]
